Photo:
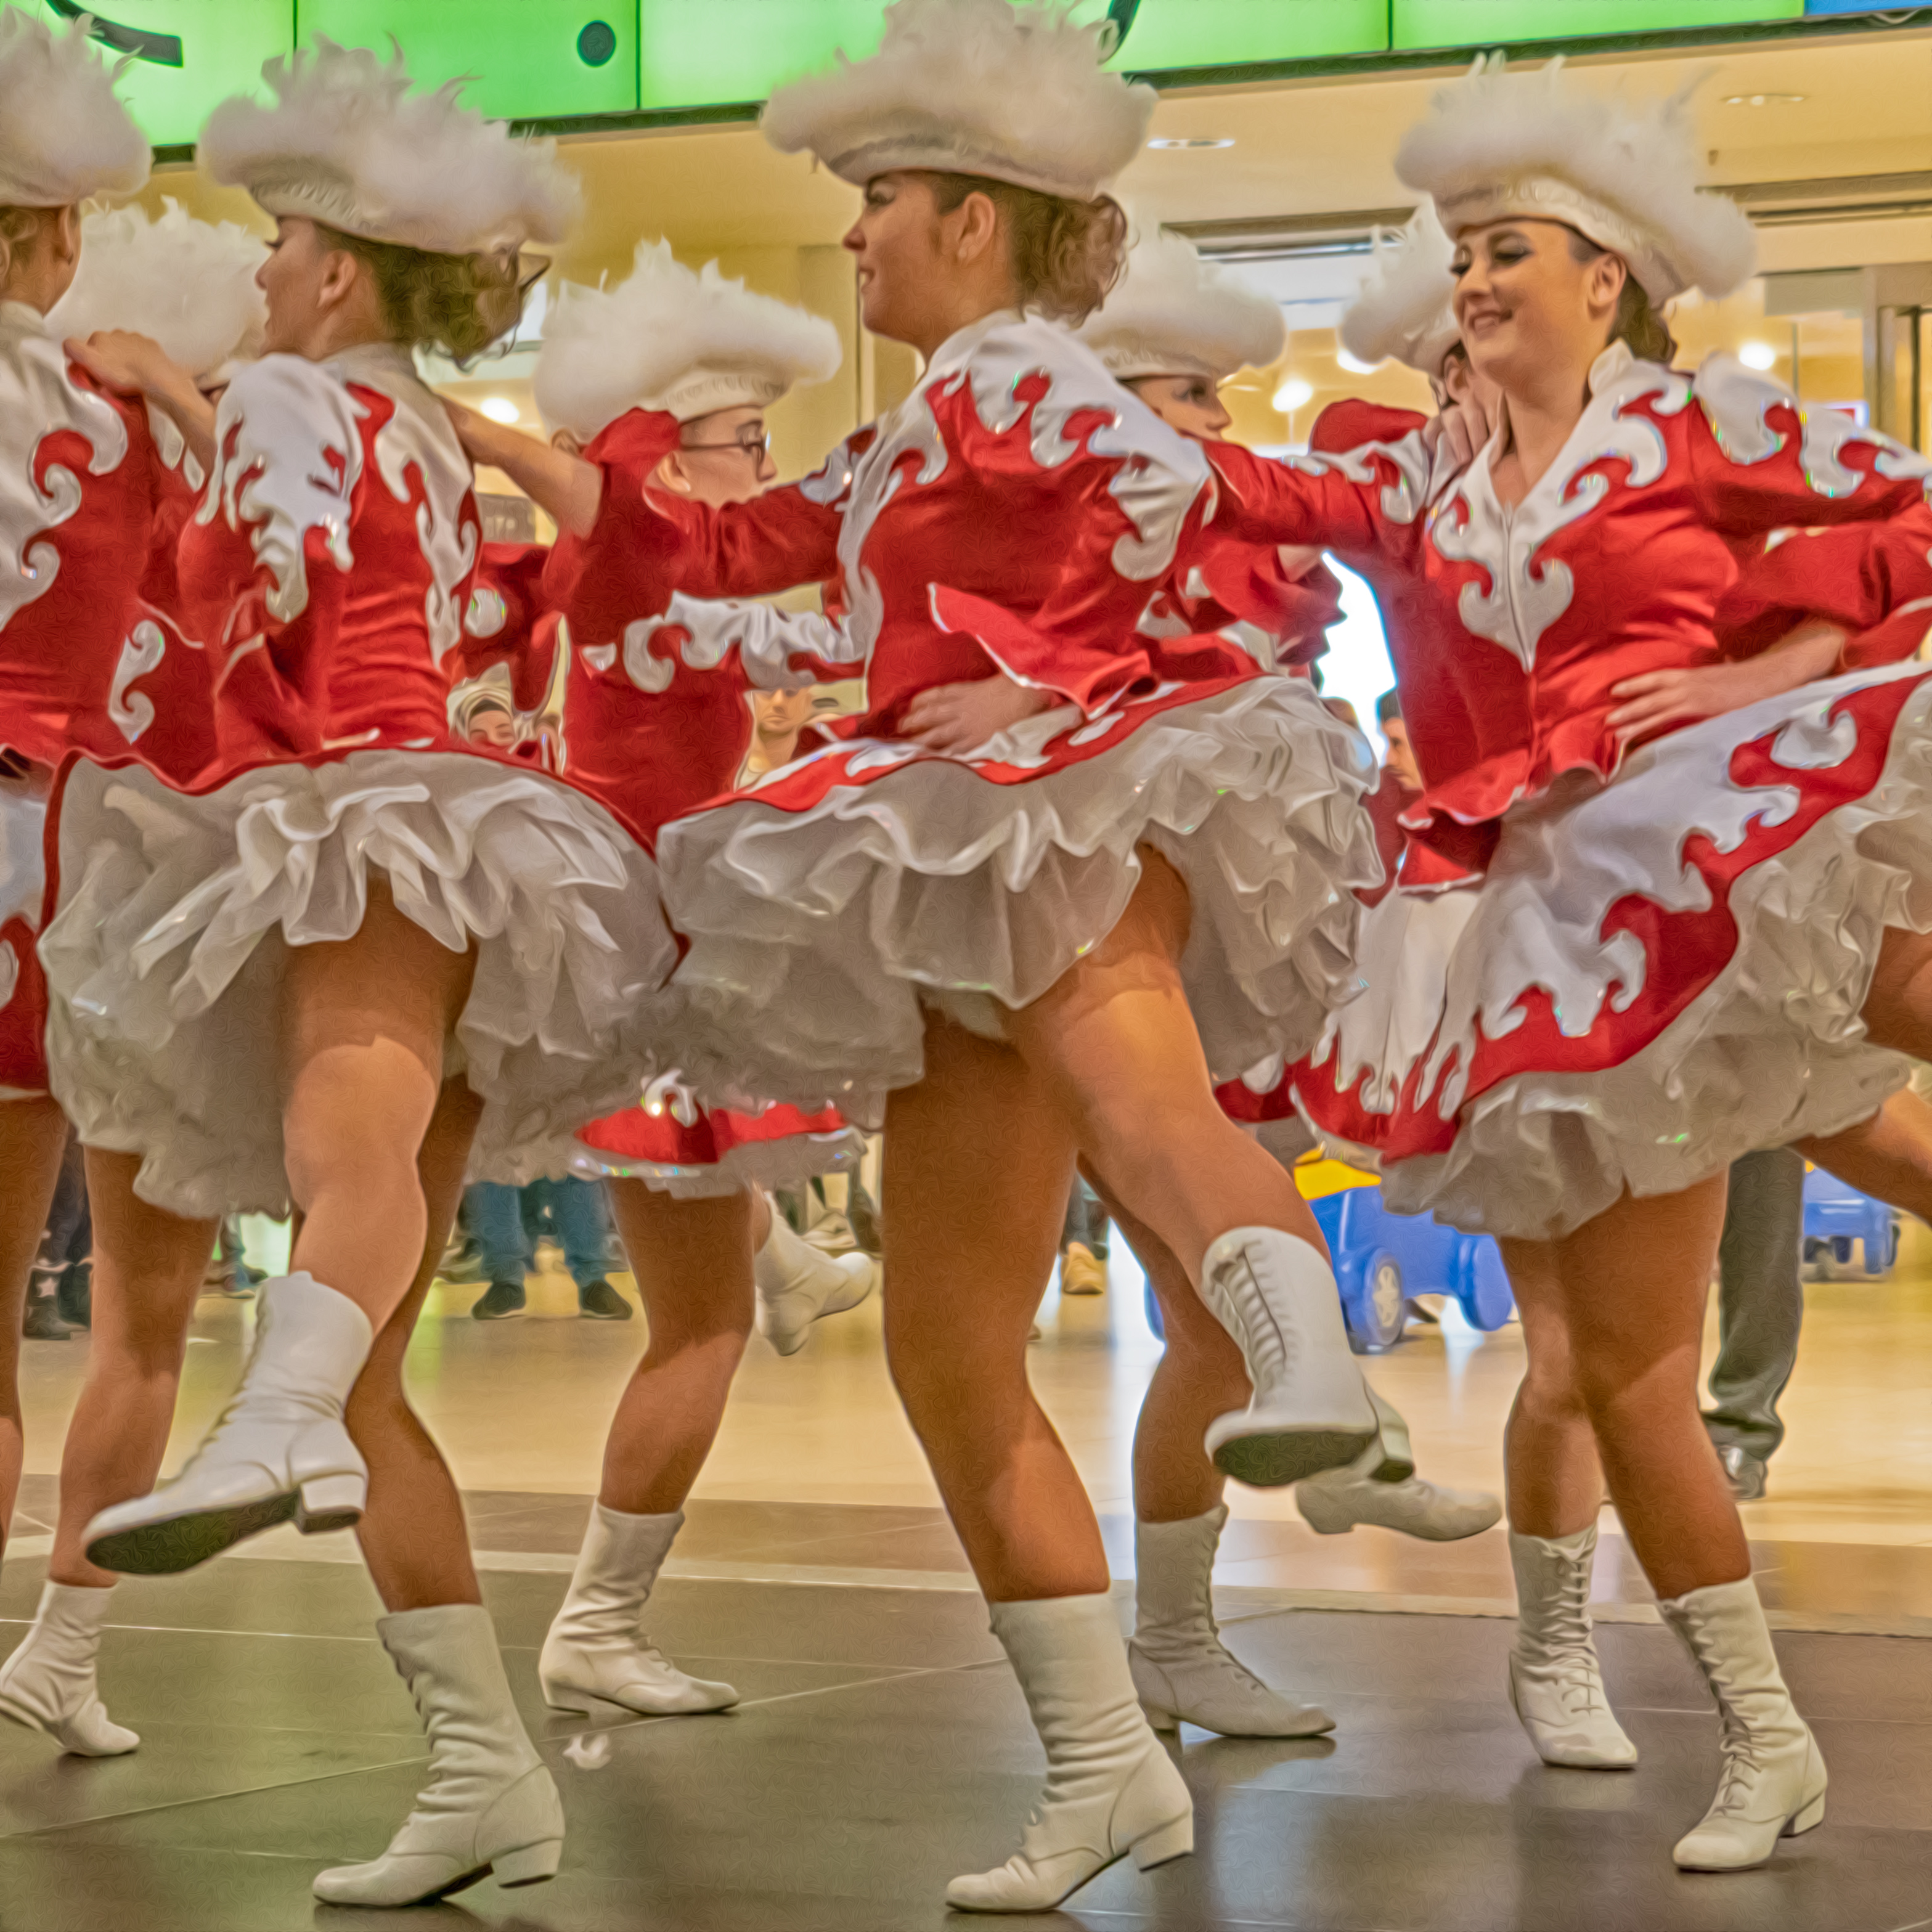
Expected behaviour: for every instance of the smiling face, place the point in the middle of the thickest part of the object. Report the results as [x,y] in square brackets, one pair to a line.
[1192,404]
[898,244]
[1527,306]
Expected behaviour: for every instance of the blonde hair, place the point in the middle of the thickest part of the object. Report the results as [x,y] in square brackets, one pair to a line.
[20,232]
[459,304]
[1066,255]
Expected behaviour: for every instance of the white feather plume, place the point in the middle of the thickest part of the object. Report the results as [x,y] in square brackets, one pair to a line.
[63,134]
[1403,310]
[190,284]
[666,338]
[345,142]
[1624,171]
[982,87]
[1173,314]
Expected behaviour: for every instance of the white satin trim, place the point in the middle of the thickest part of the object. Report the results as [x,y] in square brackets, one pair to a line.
[164,957]
[815,935]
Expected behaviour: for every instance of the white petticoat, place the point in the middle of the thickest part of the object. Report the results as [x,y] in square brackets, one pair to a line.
[23,820]
[1657,976]
[824,905]
[164,956]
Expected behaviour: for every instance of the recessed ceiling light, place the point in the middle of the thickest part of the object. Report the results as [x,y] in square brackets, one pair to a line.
[1758,355]
[1762,99]
[1193,141]
[1292,394]
[500,409]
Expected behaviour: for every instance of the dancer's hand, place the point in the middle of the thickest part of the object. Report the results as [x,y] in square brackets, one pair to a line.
[1454,436]
[956,718]
[136,365]
[551,475]
[1657,700]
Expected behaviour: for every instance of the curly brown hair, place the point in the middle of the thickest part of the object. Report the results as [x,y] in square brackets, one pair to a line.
[1065,255]
[1637,323]
[459,304]
[19,233]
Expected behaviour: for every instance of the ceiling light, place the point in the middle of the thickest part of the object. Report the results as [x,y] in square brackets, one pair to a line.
[1355,364]
[1193,141]
[1292,394]
[500,409]
[1758,355]
[1762,99]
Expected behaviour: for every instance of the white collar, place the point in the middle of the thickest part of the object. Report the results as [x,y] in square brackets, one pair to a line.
[1613,363]
[959,346]
[22,318]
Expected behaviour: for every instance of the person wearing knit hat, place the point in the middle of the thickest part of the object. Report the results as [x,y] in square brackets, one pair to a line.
[1600,984]
[978,905]
[424,952]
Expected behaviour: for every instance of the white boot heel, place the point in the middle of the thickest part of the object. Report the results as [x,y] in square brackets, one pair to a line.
[49,1683]
[280,1441]
[1773,1785]
[490,1804]
[595,1653]
[1555,1683]
[1180,1667]
[330,1502]
[1112,1790]
[1276,1295]
[797,1286]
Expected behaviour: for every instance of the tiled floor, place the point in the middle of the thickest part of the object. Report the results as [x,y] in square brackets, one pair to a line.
[881,1744]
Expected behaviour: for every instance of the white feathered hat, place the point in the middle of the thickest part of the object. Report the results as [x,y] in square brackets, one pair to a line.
[1172,313]
[1015,93]
[667,339]
[1403,310]
[63,135]
[1622,172]
[346,143]
[189,284]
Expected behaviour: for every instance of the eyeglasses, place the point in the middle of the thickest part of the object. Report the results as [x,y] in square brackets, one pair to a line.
[755,444]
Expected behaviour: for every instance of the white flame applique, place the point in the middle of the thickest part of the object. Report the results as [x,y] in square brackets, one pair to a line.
[142,651]
[35,391]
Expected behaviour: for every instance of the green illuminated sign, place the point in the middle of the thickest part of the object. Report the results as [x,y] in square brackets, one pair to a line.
[547,59]
[1466,23]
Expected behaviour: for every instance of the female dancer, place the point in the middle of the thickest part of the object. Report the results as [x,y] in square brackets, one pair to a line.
[1175,329]
[142,685]
[260,977]
[93,490]
[1571,1050]
[1119,880]
[656,719]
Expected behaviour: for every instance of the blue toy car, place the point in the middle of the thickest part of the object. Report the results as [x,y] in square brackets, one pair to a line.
[1382,1259]
[1837,1216]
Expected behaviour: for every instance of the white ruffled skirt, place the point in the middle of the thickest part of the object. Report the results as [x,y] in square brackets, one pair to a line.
[1657,976]
[23,883]
[826,904]
[173,914]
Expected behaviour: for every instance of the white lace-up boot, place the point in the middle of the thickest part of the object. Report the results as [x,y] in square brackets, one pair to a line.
[49,1683]
[596,1652]
[1335,1500]
[1182,1671]
[1556,1685]
[280,1450]
[1110,1787]
[798,1285]
[1276,1297]
[1773,1782]
[489,1807]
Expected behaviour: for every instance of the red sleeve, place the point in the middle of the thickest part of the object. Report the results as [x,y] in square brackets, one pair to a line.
[1365,501]
[1873,579]
[506,621]
[1352,422]
[645,544]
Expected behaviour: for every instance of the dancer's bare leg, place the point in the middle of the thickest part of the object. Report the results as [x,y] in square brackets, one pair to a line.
[148,1271]
[1114,1045]
[363,1023]
[414,1536]
[977,1164]
[33,1135]
[1889,1156]
[1554,1480]
[692,1260]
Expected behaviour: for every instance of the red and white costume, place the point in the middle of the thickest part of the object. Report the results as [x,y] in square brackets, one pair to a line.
[1019,512]
[1606,972]
[332,560]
